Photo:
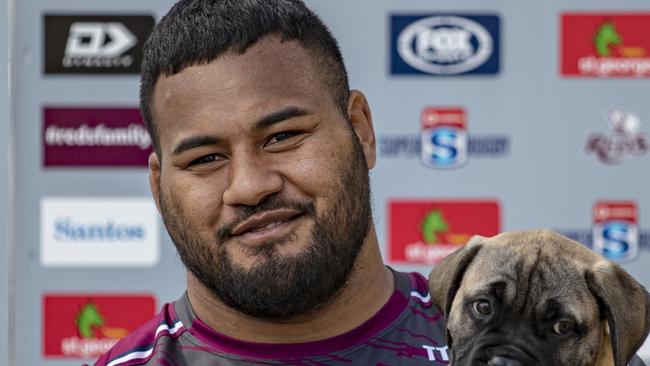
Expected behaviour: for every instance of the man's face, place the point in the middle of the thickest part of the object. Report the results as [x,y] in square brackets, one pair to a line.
[262,183]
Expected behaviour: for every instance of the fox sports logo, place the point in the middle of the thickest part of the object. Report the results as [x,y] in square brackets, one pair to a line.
[444,147]
[445,45]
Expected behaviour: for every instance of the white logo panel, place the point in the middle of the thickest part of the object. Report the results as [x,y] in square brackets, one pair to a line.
[90,39]
[445,39]
[93,231]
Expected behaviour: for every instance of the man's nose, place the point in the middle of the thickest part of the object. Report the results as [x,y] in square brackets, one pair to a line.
[250,180]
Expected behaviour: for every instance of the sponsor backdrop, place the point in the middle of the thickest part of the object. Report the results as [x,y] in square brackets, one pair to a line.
[94,137]
[489,116]
[87,325]
[5,186]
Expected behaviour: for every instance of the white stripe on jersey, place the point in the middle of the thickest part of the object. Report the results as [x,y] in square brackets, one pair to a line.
[164,327]
[147,353]
[418,296]
[132,356]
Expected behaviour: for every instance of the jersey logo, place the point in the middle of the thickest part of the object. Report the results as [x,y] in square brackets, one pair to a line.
[437,353]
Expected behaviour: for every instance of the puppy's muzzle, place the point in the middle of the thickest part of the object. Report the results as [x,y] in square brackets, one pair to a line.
[505,355]
[503,361]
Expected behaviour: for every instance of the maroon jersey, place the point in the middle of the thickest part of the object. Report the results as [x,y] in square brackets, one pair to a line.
[408,330]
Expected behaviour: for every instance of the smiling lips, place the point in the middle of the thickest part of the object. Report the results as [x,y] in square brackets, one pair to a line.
[265,226]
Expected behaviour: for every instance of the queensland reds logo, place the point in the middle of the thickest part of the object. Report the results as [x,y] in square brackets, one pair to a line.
[625,140]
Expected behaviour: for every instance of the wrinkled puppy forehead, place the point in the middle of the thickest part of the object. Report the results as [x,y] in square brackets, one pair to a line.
[539,265]
[530,244]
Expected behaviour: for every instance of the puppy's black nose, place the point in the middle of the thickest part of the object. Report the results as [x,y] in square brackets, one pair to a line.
[503,361]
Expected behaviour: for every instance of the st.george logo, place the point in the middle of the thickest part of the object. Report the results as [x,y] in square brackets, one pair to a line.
[444,138]
[605,45]
[87,325]
[615,230]
[445,44]
[427,231]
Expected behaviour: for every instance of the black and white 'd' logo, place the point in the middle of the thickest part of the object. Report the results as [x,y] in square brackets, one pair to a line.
[95,44]
[99,45]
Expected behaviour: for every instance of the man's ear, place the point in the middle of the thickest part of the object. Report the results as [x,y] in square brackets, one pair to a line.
[154,178]
[361,120]
[626,306]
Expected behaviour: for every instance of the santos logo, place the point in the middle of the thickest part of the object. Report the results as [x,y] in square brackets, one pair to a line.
[98,232]
[65,229]
[445,44]
[95,43]
[99,45]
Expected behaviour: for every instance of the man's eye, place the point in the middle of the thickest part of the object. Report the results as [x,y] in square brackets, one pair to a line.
[205,159]
[278,137]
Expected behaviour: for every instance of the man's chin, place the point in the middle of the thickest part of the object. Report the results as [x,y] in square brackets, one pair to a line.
[267,287]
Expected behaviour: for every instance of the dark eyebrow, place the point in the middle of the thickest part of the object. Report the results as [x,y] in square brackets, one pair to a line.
[194,142]
[266,122]
[279,116]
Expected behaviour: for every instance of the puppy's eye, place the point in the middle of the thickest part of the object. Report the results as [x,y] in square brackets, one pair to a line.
[562,327]
[483,308]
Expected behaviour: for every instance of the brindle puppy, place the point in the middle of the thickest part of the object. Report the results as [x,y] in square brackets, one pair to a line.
[536,298]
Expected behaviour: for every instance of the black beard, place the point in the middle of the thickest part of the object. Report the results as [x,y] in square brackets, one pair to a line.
[281,287]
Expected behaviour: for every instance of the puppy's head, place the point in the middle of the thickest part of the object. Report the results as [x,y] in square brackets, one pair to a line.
[536,298]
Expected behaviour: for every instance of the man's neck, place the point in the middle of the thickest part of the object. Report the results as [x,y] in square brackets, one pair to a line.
[369,274]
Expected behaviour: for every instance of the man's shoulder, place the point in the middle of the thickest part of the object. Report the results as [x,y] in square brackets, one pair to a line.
[140,345]
[415,287]
[412,329]
[418,314]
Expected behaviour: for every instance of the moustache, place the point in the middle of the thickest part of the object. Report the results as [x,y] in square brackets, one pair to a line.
[274,202]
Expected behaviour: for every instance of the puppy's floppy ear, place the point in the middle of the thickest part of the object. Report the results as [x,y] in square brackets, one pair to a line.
[445,277]
[626,306]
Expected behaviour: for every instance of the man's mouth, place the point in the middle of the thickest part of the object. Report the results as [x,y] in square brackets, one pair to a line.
[265,226]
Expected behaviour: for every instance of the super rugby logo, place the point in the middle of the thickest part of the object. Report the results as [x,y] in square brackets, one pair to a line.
[445,44]
[443,142]
[615,231]
[444,139]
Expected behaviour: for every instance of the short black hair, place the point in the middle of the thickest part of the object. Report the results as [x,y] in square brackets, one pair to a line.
[198,31]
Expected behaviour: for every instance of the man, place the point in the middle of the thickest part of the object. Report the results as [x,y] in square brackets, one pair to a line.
[260,173]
